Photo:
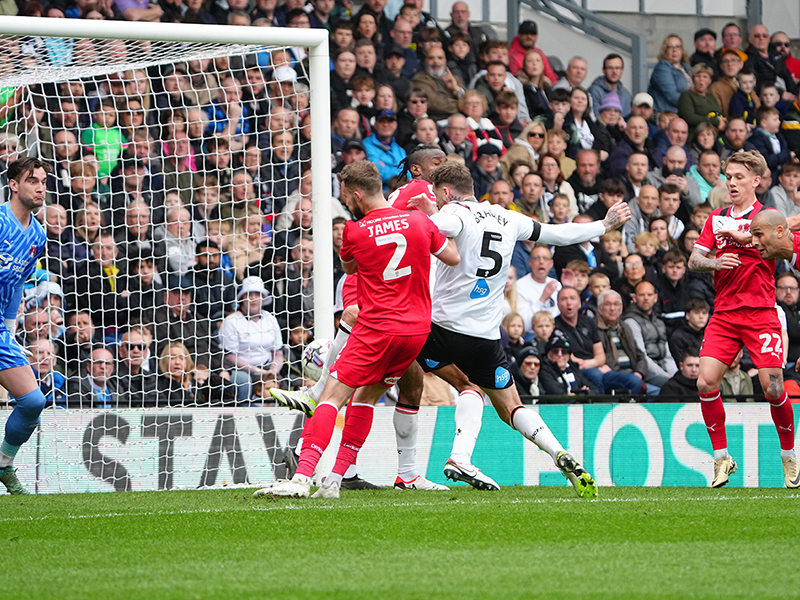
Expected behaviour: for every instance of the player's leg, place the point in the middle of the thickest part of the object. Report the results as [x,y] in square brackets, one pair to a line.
[765,344]
[21,384]
[305,400]
[721,344]
[317,436]
[468,418]
[406,427]
[530,424]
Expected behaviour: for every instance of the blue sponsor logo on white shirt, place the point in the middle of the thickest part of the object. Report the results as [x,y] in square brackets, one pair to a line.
[481,289]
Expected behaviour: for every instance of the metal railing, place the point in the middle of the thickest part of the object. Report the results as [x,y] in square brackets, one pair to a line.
[573,15]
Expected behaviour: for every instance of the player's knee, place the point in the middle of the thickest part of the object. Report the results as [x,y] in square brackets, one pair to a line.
[32,404]
[704,386]
[350,315]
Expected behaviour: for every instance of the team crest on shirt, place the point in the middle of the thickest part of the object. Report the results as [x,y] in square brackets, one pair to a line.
[33,250]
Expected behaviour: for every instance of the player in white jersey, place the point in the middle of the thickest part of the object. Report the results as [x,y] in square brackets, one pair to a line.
[468,309]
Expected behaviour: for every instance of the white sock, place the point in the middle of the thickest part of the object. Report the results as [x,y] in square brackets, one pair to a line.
[304,479]
[331,479]
[469,413]
[406,426]
[6,460]
[788,453]
[336,347]
[722,453]
[530,424]
[351,472]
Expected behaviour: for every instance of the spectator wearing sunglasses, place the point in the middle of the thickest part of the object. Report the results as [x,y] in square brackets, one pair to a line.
[136,387]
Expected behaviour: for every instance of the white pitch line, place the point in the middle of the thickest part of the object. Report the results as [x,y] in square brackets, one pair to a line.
[293,506]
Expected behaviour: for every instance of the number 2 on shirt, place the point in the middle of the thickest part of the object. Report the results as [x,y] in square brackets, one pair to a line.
[391,272]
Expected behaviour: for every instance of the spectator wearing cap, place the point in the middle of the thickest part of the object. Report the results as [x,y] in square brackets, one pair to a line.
[251,336]
[622,354]
[642,106]
[526,374]
[394,61]
[727,85]
[214,290]
[527,34]
[402,36]
[705,44]
[610,81]
[696,105]
[559,375]
[671,76]
[382,148]
[440,87]
[486,170]
[769,65]
[610,118]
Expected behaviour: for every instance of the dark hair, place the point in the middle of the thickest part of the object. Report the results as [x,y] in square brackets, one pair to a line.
[496,63]
[294,13]
[559,95]
[362,175]
[456,176]
[612,57]
[668,188]
[696,304]
[612,186]
[18,169]
[691,351]
[673,256]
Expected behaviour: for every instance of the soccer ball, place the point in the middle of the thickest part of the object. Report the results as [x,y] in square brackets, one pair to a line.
[314,358]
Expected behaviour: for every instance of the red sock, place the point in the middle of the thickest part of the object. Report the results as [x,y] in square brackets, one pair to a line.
[318,432]
[357,423]
[783,417]
[714,416]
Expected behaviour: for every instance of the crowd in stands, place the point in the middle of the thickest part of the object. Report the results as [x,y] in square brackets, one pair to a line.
[179,259]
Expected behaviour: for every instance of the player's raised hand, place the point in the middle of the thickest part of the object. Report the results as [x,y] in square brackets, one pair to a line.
[617,215]
[728,260]
[743,238]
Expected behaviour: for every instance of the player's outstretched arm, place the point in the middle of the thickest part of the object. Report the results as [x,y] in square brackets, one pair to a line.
[617,216]
[700,263]
[577,233]
[449,255]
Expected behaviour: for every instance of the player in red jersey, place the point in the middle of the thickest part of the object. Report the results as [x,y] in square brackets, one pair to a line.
[770,235]
[421,162]
[744,312]
[391,250]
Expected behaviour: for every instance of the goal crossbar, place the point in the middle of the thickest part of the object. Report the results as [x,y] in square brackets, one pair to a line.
[316,40]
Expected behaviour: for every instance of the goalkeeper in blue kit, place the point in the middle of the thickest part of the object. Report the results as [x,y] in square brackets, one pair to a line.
[22,241]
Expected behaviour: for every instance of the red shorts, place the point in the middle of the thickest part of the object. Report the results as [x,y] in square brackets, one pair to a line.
[758,329]
[350,291]
[371,357]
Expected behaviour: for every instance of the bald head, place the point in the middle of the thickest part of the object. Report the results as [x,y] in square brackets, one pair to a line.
[770,218]
[771,235]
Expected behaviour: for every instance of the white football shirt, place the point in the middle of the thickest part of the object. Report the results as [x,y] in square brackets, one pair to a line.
[468,298]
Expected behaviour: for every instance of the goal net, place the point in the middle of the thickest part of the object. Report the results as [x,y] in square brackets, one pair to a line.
[189,186]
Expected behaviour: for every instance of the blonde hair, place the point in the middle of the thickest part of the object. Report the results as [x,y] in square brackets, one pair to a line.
[542,315]
[611,236]
[509,317]
[597,275]
[750,160]
[646,237]
[163,363]
[80,227]
[662,54]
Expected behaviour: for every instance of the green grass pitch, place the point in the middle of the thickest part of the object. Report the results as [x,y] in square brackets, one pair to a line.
[521,542]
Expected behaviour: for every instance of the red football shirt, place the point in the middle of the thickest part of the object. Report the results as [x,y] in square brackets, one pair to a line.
[751,284]
[400,197]
[392,249]
[795,264]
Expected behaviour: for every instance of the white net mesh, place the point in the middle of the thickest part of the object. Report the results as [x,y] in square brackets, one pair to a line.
[178,210]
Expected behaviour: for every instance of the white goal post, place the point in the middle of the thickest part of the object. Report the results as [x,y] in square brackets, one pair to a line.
[91,446]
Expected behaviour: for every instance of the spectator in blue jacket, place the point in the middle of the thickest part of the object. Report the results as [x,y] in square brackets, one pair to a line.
[610,81]
[671,76]
[383,149]
[769,141]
